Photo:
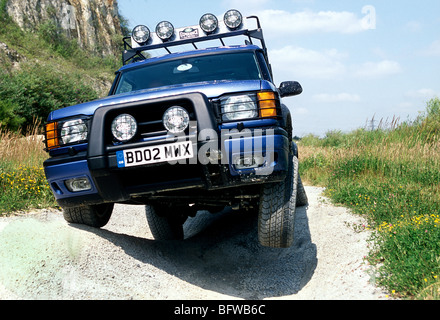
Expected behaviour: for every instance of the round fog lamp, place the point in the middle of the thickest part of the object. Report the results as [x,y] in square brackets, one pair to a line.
[233,19]
[141,34]
[124,127]
[208,23]
[164,30]
[176,119]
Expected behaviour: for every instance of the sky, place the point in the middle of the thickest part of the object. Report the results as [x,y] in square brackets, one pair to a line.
[357,60]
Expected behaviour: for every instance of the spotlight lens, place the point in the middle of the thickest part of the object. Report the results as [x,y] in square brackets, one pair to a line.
[233,19]
[124,127]
[176,119]
[165,30]
[208,23]
[141,34]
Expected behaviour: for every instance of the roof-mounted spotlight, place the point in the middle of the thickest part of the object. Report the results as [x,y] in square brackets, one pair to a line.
[233,19]
[165,30]
[208,23]
[141,34]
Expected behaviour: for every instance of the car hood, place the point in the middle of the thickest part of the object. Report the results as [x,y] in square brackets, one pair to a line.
[212,89]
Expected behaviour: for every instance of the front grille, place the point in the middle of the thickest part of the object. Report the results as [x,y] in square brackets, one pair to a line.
[149,119]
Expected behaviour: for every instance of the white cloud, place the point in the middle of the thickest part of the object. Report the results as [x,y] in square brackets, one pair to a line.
[421,93]
[300,111]
[378,69]
[433,49]
[414,26]
[245,4]
[306,63]
[336,97]
[280,22]
[300,62]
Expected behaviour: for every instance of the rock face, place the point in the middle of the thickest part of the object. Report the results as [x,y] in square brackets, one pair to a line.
[94,23]
[10,57]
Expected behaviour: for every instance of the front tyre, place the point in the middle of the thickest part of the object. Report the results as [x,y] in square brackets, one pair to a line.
[95,216]
[277,210]
[163,225]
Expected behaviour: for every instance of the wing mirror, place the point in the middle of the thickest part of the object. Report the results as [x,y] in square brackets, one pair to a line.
[290,88]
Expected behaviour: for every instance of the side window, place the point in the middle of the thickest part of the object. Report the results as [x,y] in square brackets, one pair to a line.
[263,66]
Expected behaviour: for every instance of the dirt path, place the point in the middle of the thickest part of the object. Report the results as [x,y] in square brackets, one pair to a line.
[42,257]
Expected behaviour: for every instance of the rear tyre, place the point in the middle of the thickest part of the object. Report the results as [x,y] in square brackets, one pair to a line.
[277,210]
[95,216]
[164,226]
[301,196]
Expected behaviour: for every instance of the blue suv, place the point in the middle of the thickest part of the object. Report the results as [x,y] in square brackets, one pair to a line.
[199,128]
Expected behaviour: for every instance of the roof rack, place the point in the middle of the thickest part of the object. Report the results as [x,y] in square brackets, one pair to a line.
[168,37]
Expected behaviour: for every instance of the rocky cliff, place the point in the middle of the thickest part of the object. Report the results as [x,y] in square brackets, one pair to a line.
[94,23]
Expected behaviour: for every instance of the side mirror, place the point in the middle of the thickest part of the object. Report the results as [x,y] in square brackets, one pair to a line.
[290,88]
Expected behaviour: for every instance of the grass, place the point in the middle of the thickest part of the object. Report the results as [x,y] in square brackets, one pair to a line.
[52,72]
[23,185]
[391,176]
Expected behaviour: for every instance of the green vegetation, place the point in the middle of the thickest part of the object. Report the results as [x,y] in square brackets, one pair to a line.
[53,72]
[46,71]
[35,90]
[391,176]
[23,185]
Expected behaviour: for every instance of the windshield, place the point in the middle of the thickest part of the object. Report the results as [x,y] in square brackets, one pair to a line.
[217,67]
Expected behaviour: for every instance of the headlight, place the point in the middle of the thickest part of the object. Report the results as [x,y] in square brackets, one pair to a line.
[239,107]
[73,131]
[164,30]
[208,23]
[176,119]
[141,34]
[124,127]
[233,19]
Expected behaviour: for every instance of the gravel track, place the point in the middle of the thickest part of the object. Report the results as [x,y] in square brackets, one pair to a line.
[43,257]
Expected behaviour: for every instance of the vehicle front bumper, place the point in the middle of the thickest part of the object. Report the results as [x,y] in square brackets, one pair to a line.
[117,185]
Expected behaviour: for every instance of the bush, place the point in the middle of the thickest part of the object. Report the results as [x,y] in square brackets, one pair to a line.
[333,139]
[429,128]
[36,90]
[8,118]
[54,37]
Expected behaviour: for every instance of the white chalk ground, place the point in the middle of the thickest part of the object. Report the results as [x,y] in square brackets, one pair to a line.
[43,257]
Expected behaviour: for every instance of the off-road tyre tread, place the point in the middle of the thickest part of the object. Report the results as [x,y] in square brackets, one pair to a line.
[163,227]
[93,216]
[276,217]
[301,195]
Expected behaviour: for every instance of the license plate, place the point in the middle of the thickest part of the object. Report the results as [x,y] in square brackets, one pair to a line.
[156,154]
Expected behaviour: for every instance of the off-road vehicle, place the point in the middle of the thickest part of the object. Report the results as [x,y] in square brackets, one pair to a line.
[200,126]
